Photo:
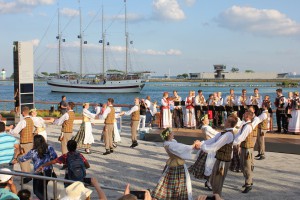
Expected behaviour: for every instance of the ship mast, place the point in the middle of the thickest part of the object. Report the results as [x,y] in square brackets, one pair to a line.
[59,40]
[80,37]
[103,45]
[126,36]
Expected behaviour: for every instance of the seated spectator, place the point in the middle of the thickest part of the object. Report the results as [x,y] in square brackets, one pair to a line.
[8,189]
[75,162]
[77,191]
[9,148]
[24,194]
[128,196]
[40,154]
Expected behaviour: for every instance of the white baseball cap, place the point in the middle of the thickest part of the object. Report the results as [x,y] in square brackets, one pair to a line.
[76,191]
[5,177]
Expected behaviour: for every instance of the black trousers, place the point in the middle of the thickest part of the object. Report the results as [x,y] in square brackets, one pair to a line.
[38,185]
[178,118]
[281,119]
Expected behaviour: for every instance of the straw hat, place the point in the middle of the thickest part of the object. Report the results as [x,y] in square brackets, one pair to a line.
[76,191]
[5,177]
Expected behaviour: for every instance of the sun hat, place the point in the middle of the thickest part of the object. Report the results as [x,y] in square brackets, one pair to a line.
[5,177]
[76,191]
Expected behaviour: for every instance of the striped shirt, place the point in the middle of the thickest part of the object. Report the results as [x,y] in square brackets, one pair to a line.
[7,148]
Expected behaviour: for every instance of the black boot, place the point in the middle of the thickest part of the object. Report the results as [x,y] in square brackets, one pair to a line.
[134,144]
[107,152]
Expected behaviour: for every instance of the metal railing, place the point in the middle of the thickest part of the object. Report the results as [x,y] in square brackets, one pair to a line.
[46,178]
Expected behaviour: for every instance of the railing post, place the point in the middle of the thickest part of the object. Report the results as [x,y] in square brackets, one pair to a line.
[45,186]
[22,184]
[55,190]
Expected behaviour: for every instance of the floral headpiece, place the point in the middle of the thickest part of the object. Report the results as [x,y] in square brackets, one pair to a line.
[204,117]
[164,135]
[85,104]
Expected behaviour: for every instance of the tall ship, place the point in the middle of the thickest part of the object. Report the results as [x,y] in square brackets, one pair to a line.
[112,81]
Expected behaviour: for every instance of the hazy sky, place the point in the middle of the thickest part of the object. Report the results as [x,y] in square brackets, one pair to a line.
[179,36]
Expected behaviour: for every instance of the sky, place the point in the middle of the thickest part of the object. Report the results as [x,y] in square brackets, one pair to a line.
[168,36]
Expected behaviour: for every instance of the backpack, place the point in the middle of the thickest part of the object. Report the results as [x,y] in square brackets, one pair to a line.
[76,167]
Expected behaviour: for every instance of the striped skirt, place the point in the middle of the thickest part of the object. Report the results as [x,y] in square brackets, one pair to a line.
[79,138]
[172,185]
[198,168]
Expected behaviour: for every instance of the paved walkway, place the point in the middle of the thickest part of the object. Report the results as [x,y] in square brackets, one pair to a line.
[277,177]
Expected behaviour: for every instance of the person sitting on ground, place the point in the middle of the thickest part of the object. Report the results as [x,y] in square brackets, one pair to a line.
[8,190]
[75,162]
[24,194]
[77,191]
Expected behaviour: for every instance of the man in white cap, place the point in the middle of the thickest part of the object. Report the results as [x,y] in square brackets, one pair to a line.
[8,189]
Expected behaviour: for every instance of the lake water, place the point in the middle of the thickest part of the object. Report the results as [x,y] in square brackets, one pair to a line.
[153,89]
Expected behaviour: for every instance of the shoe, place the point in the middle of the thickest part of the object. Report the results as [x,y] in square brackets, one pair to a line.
[87,151]
[247,189]
[245,185]
[208,186]
[134,144]
[257,156]
[278,131]
[262,157]
[111,151]
[63,167]
[26,180]
[115,145]
[106,152]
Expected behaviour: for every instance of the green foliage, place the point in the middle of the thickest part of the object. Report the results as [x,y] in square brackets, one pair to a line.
[235,69]
[289,84]
[7,114]
[45,73]
[67,72]
[249,71]
[114,70]
[53,74]
[185,75]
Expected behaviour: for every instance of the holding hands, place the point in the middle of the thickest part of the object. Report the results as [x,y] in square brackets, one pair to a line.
[197,144]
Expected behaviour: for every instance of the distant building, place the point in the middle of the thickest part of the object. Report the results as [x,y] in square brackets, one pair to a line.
[282,75]
[3,74]
[219,69]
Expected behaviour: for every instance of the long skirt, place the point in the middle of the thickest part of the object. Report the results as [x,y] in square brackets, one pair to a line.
[166,118]
[84,136]
[44,134]
[294,123]
[198,168]
[190,120]
[175,184]
[117,137]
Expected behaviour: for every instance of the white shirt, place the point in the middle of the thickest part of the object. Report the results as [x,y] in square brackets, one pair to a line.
[233,100]
[38,122]
[209,131]
[148,103]
[19,127]
[197,100]
[214,144]
[105,113]
[88,114]
[220,102]
[246,101]
[133,109]
[243,133]
[97,110]
[63,118]
[259,100]
[255,122]
[181,150]
[164,102]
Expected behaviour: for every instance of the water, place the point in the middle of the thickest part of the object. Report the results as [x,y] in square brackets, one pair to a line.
[153,89]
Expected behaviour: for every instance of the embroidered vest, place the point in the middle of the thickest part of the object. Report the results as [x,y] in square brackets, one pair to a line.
[110,119]
[26,135]
[249,141]
[264,124]
[67,126]
[135,116]
[224,153]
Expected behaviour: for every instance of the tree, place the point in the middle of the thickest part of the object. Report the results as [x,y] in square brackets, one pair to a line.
[45,73]
[185,75]
[235,69]
[249,71]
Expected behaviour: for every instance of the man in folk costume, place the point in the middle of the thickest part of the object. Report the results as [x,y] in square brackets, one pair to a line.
[281,104]
[262,130]
[198,102]
[244,138]
[165,113]
[235,164]
[203,166]
[109,118]
[135,118]
[243,102]
[66,121]
[256,99]
[177,112]
[294,124]
[175,182]
[222,145]
[230,101]
[190,120]
[25,128]
[255,121]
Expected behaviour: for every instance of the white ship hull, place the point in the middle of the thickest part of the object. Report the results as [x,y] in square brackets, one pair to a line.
[121,86]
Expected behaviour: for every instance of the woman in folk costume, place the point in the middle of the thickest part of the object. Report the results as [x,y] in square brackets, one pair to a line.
[189,120]
[175,182]
[165,113]
[84,136]
[294,123]
[39,124]
[203,166]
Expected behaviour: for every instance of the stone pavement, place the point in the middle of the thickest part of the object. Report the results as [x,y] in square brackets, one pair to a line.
[277,177]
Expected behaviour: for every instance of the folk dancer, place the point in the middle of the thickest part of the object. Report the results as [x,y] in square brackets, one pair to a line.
[189,120]
[148,111]
[288,109]
[109,118]
[177,113]
[39,124]
[255,121]
[198,102]
[281,117]
[135,118]
[66,121]
[143,110]
[222,145]
[165,113]
[25,128]
[175,182]
[84,136]
[294,124]
[256,100]
[268,103]
[262,130]
[230,101]
[244,138]
[203,166]
[243,101]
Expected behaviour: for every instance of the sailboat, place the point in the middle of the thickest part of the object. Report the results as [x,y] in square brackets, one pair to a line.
[105,83]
